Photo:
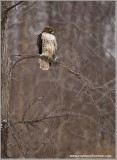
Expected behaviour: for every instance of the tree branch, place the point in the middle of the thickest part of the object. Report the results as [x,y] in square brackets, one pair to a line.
[55,62]
[27,56]
[11,7]
[40,120]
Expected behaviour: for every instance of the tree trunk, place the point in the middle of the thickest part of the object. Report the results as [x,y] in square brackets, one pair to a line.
[5,82]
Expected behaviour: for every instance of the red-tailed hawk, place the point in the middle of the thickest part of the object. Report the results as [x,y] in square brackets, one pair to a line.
[47,45]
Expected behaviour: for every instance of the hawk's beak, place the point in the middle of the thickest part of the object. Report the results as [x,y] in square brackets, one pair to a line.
[52,32]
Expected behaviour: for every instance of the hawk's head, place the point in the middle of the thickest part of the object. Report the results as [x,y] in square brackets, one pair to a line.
[48,29]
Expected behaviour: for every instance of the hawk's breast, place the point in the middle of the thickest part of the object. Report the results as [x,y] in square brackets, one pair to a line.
[48,42]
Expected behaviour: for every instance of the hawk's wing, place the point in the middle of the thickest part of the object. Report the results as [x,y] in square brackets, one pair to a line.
[39,43]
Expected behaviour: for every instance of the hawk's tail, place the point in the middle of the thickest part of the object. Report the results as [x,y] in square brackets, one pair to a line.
[44,64]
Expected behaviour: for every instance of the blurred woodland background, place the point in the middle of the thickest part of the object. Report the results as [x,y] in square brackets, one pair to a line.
[69,109]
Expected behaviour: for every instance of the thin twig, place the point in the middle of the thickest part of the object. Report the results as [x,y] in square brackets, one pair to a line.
[28,108]
[39,120]
[76,97]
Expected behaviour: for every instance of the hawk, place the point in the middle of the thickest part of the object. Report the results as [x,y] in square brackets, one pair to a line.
[46,43]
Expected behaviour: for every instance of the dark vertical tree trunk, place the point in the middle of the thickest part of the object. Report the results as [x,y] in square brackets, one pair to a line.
[5,82]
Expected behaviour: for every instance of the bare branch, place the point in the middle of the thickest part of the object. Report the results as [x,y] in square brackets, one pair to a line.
[26,56]
[55,62]
[11,7]
[40,120]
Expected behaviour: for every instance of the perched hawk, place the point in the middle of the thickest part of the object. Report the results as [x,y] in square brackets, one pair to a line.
[47,45]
